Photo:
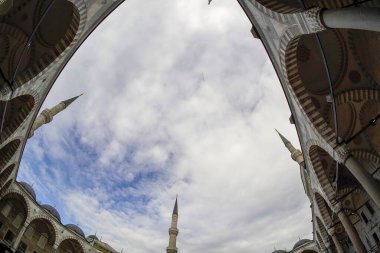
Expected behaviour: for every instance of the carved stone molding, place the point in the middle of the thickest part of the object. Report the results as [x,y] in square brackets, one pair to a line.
[313,20]
[341,154]
[331,231]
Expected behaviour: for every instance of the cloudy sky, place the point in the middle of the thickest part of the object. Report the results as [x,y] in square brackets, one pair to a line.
[179,99]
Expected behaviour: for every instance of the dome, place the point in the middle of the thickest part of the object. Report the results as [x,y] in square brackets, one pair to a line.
[52,211]
[300,243]
[91,238]
[76,229]
[29,189]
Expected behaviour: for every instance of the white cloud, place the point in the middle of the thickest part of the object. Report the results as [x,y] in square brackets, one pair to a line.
[179,98]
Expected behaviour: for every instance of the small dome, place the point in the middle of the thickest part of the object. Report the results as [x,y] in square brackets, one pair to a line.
[29,189]
[52,211]
[301,242]
[91,238]
[76,229]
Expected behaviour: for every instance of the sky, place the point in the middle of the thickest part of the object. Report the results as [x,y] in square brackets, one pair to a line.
[179,98]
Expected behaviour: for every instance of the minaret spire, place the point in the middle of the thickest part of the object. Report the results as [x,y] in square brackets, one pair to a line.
[295,153]
[47,115]
[173,230]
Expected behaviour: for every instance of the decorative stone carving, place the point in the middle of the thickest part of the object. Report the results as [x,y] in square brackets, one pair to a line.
[313,20]
[341,154]
[331,231]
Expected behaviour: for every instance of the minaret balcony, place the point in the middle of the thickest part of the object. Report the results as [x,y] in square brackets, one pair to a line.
[173,231]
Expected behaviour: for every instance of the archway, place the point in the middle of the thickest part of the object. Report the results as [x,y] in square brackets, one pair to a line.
[4,175]
[70,246]
[55,33]
[16,110]
[13,213]
[39,236]
[323,231]
[7,152]
[355,94]
[5,187]
[320,242]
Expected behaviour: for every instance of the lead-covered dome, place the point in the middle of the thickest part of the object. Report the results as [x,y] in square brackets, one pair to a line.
[76,229]
[300,243]
[52,211]
[29,189]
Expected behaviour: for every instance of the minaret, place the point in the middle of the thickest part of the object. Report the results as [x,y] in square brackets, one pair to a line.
[47,115]
[173,231]
[295,153]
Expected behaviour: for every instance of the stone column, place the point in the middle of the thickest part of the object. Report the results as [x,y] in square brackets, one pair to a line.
[19,236]
[338,245]
[362,18]
[350,230]
[369,184]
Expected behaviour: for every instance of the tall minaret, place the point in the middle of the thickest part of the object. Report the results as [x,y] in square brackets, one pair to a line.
[173,231]
[295,153]
[47,115]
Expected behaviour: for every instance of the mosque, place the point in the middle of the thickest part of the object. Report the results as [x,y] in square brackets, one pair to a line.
[326,55]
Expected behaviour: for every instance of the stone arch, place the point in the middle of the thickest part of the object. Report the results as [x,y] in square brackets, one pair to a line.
[324,209]
[310,84]
[15,111]
[40,234]
[323,231]
[19,194]
[70,244]
[320,242]
[5,187]
[8,151]
[4,175]
[14,213]
[355,95]
[319,168]
[353,198]
[329,172]
[365,104]
[356,98]
[48,45]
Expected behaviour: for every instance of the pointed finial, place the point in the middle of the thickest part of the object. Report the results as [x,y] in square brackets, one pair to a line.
[69,101]
[284,140]
[175,210]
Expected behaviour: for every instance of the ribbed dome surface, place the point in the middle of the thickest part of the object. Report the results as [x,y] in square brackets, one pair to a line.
[300,243]
[29,189]
[76,229]
[52,211]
